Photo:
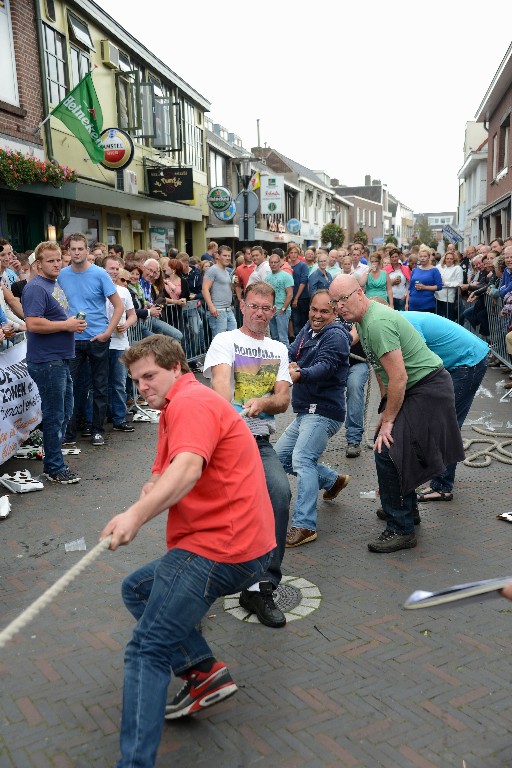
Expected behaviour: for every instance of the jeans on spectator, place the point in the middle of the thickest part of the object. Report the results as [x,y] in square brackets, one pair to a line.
[97,354]
[299,448]
[82,395]
[159,326]
[300,315]
[225,321]
[55,387]
[466,381]
[354,420]
[193,331]
[279,327]
[398,304]
[447,309]
[280,494]
[399,509]
[168,597]
[116,386]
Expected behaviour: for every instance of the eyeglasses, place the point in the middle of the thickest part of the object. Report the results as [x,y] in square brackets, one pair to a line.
[123,280]
[152,271]
[343,298]
[264,308]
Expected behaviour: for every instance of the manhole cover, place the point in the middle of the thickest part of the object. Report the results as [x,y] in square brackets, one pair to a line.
[296,597]
[287,597]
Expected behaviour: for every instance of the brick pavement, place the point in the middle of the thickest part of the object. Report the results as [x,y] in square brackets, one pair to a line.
[359,682]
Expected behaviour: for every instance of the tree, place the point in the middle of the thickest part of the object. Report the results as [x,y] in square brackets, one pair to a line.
[425,232]
[332,234]
[391,239]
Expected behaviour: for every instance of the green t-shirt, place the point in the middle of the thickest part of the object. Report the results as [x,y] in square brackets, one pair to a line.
[382,330]
[280,282]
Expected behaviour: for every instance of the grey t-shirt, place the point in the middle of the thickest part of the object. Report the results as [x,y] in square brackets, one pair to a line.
[220,290]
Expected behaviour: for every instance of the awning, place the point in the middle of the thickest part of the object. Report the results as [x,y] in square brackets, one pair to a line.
[228,231]
[496,207]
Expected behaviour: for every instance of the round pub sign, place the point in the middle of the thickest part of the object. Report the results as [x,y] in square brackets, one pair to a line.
[219,198]
[118,149]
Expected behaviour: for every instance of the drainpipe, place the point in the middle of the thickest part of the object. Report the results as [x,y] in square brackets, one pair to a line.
[44,93]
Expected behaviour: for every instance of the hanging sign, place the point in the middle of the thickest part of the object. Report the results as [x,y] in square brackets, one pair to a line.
[171,184]
[119,149]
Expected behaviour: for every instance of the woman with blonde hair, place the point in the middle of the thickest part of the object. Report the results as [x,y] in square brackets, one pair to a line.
[425,280]
[452,277]
[376,282]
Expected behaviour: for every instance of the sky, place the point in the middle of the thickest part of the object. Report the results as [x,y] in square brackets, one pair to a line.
[351,89]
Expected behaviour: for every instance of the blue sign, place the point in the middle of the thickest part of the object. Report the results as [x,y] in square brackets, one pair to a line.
[293,226]
[452,235]
[228,214]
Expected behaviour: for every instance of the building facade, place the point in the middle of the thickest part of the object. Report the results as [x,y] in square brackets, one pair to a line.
[473,184]
[139,94]
[494,113]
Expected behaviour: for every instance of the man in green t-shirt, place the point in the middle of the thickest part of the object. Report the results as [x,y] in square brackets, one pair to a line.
[417,428]
[282,283]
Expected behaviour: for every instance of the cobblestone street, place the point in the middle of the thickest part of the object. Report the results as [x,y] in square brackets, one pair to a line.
[354,680]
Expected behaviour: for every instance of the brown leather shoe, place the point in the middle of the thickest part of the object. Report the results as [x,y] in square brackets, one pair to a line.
[297,536]
[338,486]
[508,386]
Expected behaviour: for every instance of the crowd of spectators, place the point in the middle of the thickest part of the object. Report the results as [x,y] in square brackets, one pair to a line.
[193,299]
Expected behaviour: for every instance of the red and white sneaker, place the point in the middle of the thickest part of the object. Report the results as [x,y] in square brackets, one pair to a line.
[201,690]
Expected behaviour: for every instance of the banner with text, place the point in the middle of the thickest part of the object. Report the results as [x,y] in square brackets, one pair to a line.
[171,184]
[20,404]
[272,194]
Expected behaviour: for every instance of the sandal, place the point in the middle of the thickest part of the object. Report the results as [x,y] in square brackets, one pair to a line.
[439,496]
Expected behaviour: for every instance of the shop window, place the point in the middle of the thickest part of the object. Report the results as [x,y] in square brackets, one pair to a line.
[55,61]
[217,170]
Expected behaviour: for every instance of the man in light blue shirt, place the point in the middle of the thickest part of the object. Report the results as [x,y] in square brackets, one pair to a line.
[87,287]
[464,356]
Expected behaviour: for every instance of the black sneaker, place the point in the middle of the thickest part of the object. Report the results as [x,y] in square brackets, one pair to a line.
[389,541]
[66,477]
[86,431]
[98,439]
[415,515]
[68,441]
[262,604]
[124,427]
[201,689]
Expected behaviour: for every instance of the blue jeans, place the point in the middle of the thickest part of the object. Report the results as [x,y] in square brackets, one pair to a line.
[168,597]
[193,330]
[280,494]
[116,386]
[279,327]
[299,448]
[466,381]
[300,315]
[399,509]
[159,326]
[55,386]
[354,420]
[398,304]
[225,321]
[97,354]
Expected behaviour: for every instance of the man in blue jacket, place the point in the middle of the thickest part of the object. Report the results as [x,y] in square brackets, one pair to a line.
[318,368]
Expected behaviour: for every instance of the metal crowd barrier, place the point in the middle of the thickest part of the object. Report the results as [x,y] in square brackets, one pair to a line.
[192,321]
[497,329]
[450,309]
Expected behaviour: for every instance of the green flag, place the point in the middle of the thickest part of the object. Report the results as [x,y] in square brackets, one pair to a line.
[81,112]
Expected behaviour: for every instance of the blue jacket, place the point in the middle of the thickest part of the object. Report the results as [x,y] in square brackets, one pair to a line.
[506,282]
[323,362]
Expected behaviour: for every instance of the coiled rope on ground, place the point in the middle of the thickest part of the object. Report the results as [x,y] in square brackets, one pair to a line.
[37,606]
[496,449]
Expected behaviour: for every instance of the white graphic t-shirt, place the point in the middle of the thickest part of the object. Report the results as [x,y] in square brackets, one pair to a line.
[256,365]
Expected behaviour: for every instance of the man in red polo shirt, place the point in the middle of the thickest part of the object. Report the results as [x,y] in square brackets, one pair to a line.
[243,273]
[220,536]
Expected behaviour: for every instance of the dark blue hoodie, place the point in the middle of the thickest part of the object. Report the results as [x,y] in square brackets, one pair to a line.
[323,362]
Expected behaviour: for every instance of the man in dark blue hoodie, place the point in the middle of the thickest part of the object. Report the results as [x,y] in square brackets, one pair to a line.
[318,368]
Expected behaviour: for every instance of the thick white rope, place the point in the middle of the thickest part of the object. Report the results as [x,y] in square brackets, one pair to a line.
[495,451]
[37,606]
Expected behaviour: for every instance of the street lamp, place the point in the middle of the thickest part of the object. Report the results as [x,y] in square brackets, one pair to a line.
[333,213]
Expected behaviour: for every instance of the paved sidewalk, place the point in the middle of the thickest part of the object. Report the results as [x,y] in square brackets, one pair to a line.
[358,682]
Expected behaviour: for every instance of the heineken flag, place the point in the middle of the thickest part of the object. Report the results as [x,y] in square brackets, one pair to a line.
[81,112]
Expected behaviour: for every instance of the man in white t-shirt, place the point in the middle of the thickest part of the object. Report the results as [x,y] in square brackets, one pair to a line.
[118,344]
[250,370]
[261,266]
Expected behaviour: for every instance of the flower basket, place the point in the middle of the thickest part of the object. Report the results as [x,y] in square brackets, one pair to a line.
[17,169]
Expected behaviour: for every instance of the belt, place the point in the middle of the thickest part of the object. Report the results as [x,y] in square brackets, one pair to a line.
[262,437]
[223,309]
